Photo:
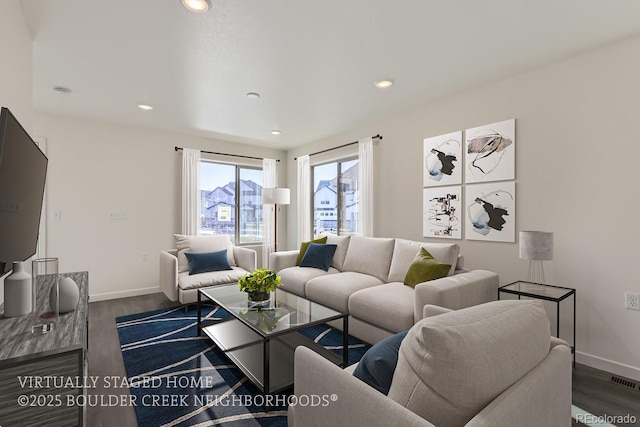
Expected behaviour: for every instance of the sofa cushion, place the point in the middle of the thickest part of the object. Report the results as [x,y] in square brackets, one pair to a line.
[379,362]
[318,256]
[294,279]
[452,365]
[207,261]
[200,244]
[305,245]
[213,278]
[425,268]
[370,255]
[405,251]
[334,290]
[341,251]
[389,306]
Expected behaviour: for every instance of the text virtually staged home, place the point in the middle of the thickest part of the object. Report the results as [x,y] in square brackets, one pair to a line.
[298,213]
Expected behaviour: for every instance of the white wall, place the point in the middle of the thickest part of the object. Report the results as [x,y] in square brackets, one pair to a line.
[584,112]
[15,69]
[97,167]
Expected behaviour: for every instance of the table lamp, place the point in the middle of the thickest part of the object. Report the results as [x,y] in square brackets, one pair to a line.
[536,246]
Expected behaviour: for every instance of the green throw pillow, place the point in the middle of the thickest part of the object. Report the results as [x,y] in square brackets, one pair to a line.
[424,268]
[305,245]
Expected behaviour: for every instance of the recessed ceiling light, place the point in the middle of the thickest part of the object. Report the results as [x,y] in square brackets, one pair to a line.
[253,95]
[384,84]
[62,90]
[275,132]
[145,107]
[196,5]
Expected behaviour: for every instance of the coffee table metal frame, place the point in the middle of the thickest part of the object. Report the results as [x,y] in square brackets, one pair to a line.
[243,342]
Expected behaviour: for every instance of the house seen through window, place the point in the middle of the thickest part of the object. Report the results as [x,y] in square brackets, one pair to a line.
[335,199]
[231,202]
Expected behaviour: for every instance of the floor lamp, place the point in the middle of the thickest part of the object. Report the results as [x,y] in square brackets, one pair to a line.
[276,196]
[536,246]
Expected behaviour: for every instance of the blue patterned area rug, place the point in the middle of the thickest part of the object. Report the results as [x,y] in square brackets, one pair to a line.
[179,379]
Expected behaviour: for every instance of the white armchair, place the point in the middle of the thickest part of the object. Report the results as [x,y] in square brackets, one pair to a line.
[175,280]
[489,365]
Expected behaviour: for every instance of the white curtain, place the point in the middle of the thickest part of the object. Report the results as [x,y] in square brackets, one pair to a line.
[304,199]
[365,187]
[269,180]
[190,191]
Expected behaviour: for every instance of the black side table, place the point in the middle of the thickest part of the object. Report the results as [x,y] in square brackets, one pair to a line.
[548,293]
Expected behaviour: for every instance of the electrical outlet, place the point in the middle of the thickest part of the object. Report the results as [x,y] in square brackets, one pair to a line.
[144,257]
[117,215]
[632,300]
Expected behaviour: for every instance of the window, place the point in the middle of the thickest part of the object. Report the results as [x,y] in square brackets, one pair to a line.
[335,199]
[231,202]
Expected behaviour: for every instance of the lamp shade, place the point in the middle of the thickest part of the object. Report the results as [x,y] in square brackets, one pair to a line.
[536,245]
[276,196]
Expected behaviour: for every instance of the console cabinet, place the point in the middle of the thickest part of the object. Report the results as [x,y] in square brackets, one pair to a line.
[42,374]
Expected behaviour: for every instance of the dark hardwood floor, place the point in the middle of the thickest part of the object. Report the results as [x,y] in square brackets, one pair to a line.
[105,358]
[592,389]
[594,392]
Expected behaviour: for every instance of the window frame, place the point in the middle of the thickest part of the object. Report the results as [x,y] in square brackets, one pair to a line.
[236,226]
[338,162]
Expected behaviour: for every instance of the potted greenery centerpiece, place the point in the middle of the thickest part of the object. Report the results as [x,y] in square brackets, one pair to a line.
[259,283]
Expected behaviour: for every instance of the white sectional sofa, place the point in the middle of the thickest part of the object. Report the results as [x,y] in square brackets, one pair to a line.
[366,280]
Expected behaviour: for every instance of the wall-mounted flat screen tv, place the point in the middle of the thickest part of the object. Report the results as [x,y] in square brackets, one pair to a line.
[23,170]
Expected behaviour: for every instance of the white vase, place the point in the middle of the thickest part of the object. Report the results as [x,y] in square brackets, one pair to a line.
[68,296]
[17,292]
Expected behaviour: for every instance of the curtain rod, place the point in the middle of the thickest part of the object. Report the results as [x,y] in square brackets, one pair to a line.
[341,146]
[227,154]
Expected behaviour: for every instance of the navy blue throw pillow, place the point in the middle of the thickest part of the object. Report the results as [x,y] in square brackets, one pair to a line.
[207,261]
[378,364]
[318,256]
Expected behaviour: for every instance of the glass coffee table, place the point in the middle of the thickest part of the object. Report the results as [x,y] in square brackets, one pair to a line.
[261,339]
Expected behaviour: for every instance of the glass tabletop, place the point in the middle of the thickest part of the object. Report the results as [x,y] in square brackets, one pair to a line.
[284,311]
[538,289]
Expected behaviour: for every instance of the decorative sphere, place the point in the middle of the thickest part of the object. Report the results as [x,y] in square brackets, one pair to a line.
[69,295]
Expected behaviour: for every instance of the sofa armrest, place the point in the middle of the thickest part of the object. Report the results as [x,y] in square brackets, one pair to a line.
[283,259]
[245,258]
[169,273]
[434,310]
[545,391]
[556,342]
[457,291]
[343,399]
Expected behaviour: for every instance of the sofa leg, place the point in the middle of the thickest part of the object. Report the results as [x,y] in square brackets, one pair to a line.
[186,308]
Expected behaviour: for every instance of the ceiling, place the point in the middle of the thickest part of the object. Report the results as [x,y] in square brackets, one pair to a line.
[314,63]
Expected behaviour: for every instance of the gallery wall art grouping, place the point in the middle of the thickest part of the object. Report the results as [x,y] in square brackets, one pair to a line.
[482,162]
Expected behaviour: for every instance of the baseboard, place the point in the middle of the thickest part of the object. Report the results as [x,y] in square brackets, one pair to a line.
[123,294]
[602,364]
